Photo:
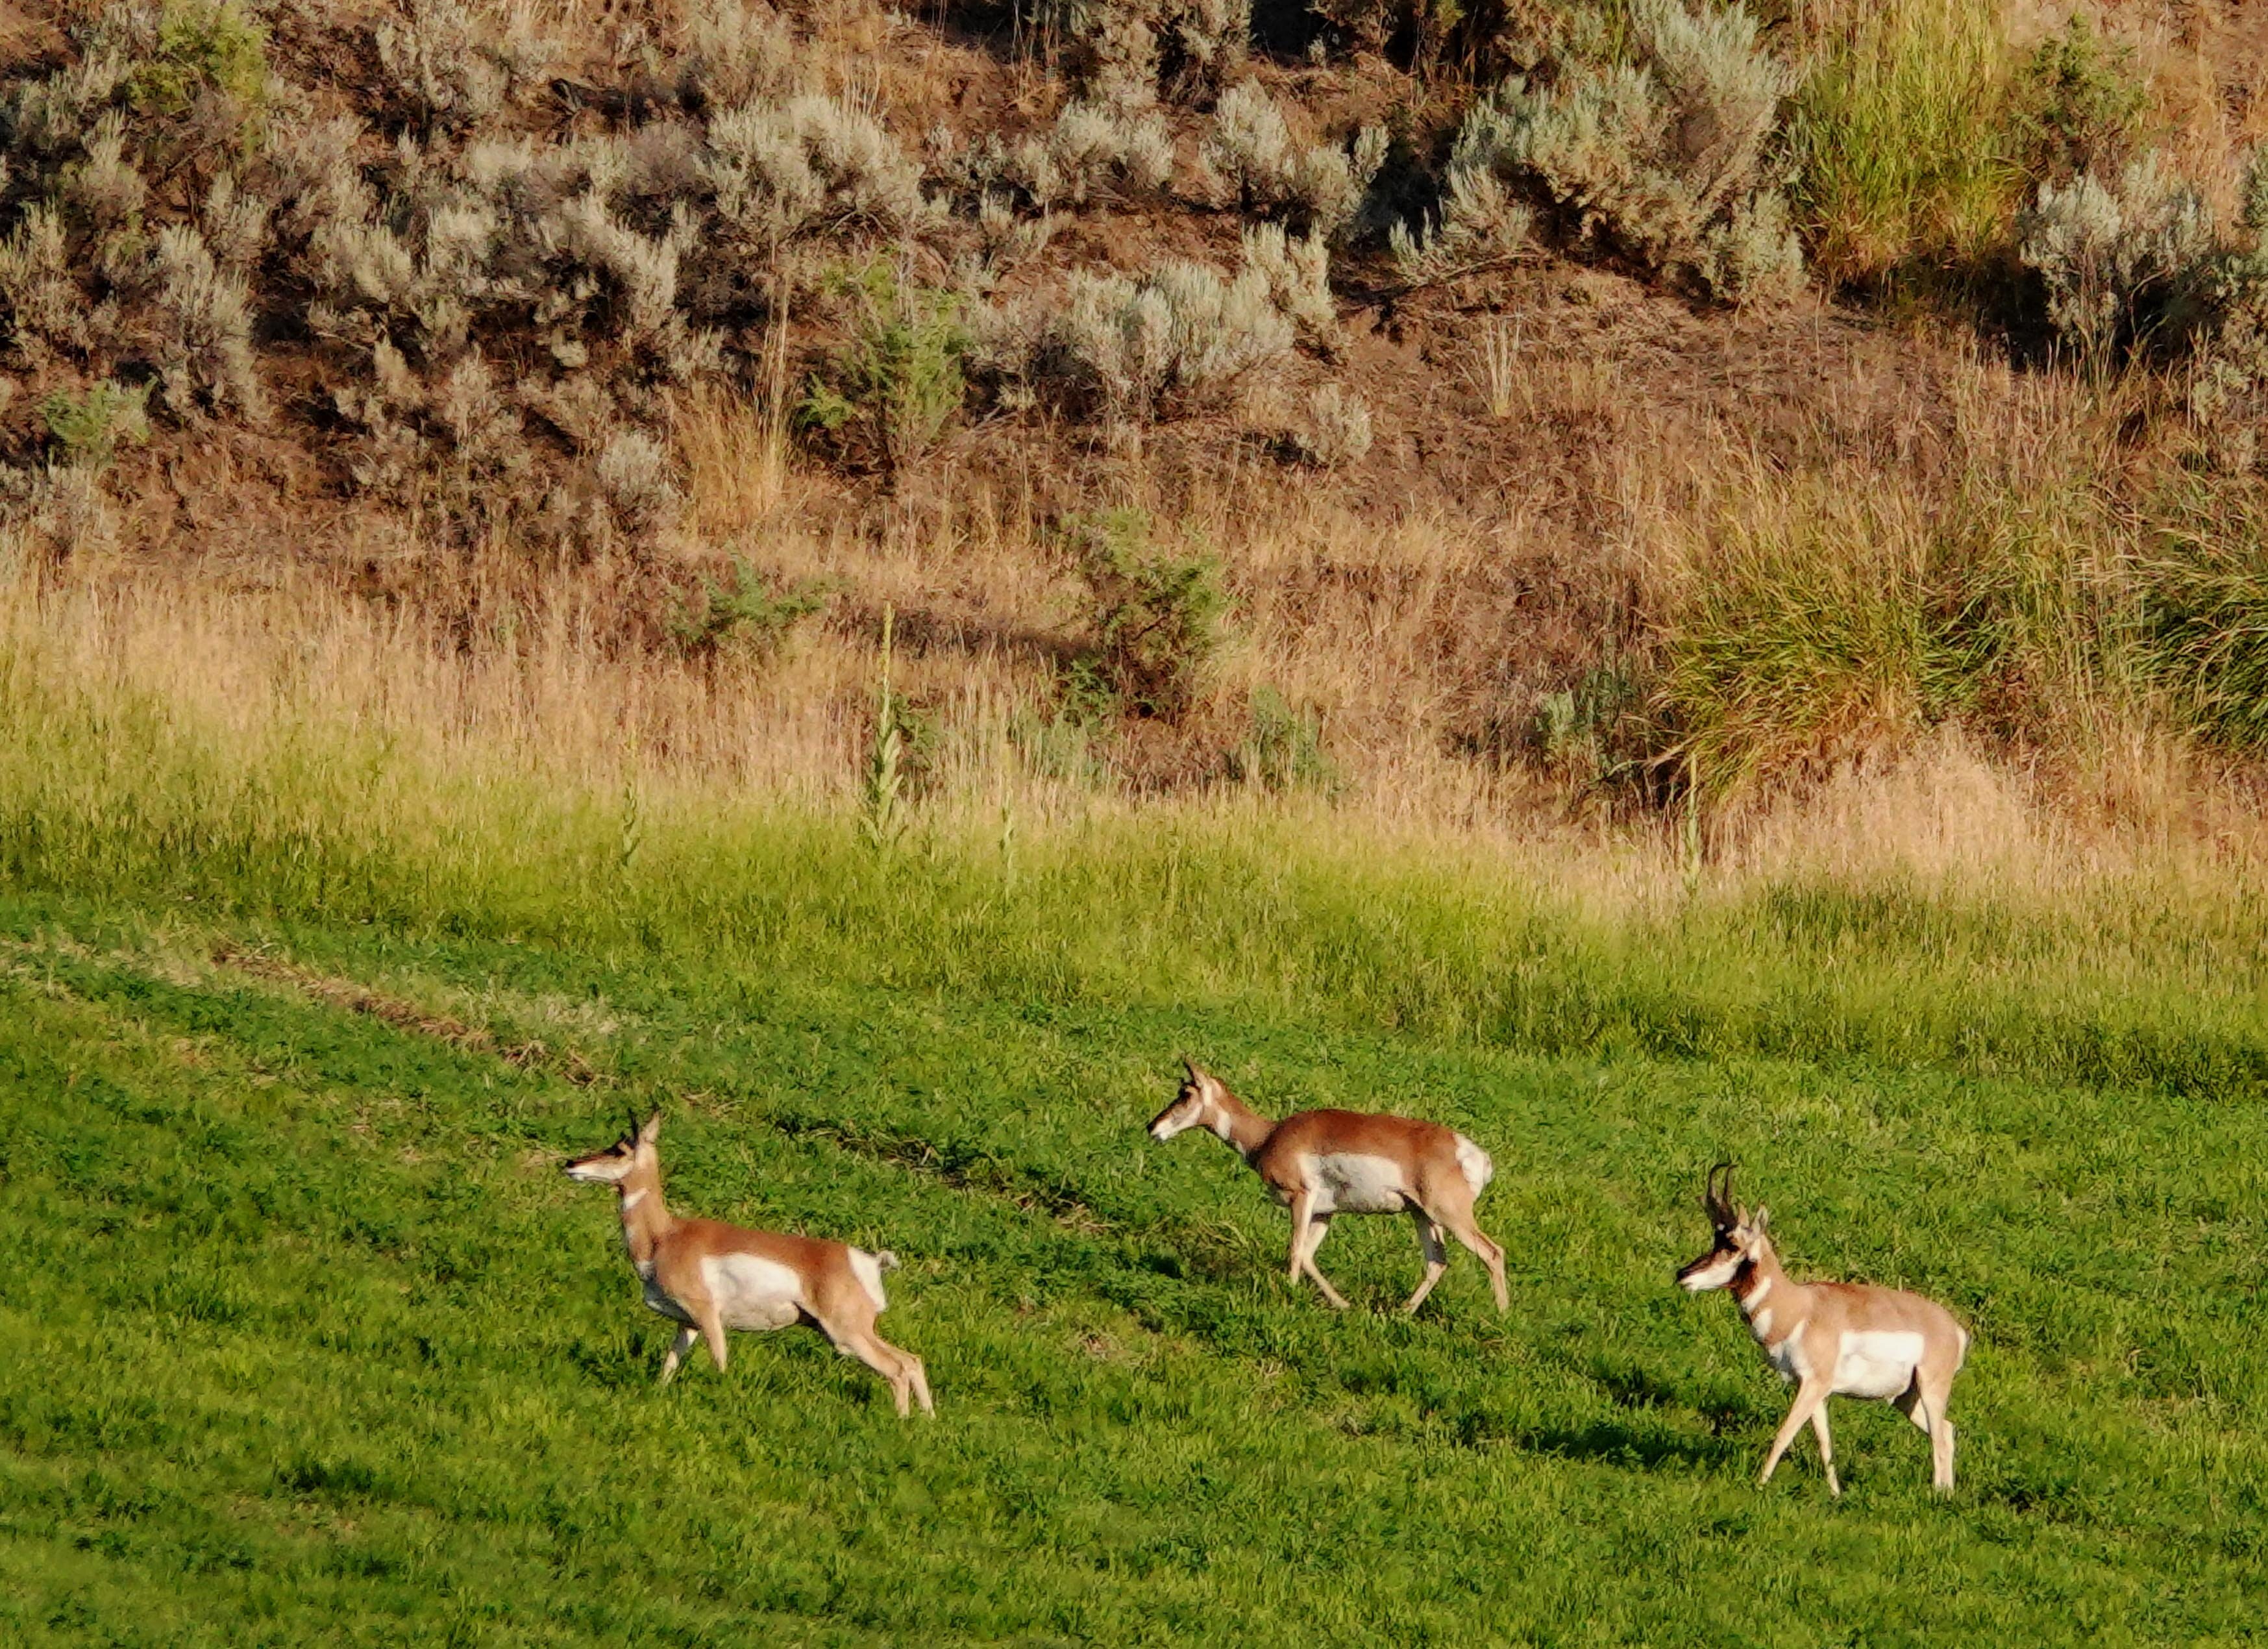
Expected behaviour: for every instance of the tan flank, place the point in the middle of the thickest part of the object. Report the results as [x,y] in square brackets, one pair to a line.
[708,1277]
[1833,1339]
[1321,1163]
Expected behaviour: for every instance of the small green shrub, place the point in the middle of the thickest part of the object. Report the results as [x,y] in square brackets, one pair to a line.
[201,47]
[1157,615]
[2079,103]
[1058,740]
[746,613]
[893,389]
[91,428]
[1593,732]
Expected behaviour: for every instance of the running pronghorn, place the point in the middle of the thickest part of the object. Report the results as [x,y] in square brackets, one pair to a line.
[708,1277]
[1321,1163]
[1833,1339]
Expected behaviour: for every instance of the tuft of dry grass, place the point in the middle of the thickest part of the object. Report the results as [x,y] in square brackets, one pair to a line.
[733,451]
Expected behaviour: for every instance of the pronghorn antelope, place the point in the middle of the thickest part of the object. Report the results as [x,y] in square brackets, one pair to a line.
[1833,1339]
[708,1277]
[1321,1163]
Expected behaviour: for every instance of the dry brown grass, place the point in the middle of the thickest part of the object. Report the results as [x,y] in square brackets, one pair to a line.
[1410,630]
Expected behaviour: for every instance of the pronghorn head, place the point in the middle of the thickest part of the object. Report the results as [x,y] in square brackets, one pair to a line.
[1738,1237]
[617,1162]
[1193,1105]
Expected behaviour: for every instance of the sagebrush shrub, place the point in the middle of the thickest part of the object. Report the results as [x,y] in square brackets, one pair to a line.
[1126,51]
[1091,151]
[633,475]
[1177,340]
[1661,159]
[776,171]
[2119,261]
[1249,151]
[2228,388]
[736,52]
[1338,427]
[441,63]
[204,326]
[37,282]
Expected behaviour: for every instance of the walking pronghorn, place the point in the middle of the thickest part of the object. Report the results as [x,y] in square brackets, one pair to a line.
[1321,1163]
[1833,1339]
[710,1276]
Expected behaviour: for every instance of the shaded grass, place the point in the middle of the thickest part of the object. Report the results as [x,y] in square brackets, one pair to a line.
[314,1341]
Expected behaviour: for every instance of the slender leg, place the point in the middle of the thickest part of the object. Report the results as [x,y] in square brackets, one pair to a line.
[1318,1228]
[1808,1396]
[712,1330]
[883,1358]
[1303,1213]
[1466,1230]
[1929,1415]
[918,1373]
[678,1347]
[1437,1257]
[1826,1448]
[1940,1435]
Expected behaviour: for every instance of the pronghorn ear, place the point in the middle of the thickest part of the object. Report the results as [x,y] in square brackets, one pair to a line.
[1761,1218]
[650,1129]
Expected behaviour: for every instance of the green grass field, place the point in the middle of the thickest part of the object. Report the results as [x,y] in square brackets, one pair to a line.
[308,1341]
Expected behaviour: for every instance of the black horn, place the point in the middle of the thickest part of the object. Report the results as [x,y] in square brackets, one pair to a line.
[1718,1200]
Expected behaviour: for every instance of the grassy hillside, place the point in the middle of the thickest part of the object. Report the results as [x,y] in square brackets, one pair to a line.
[313,1343]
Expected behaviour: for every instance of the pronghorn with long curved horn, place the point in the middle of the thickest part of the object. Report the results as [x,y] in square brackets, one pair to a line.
[1833,1339]
[1323,1163]
[708,1277]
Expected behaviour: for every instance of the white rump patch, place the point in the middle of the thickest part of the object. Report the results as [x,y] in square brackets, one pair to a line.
[751,1292]
[1346,1183]
[1475,1164]
[868,1270]
[1876,1363]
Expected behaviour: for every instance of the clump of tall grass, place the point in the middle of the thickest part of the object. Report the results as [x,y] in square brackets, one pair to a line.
[2204,614]
[1902,133]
